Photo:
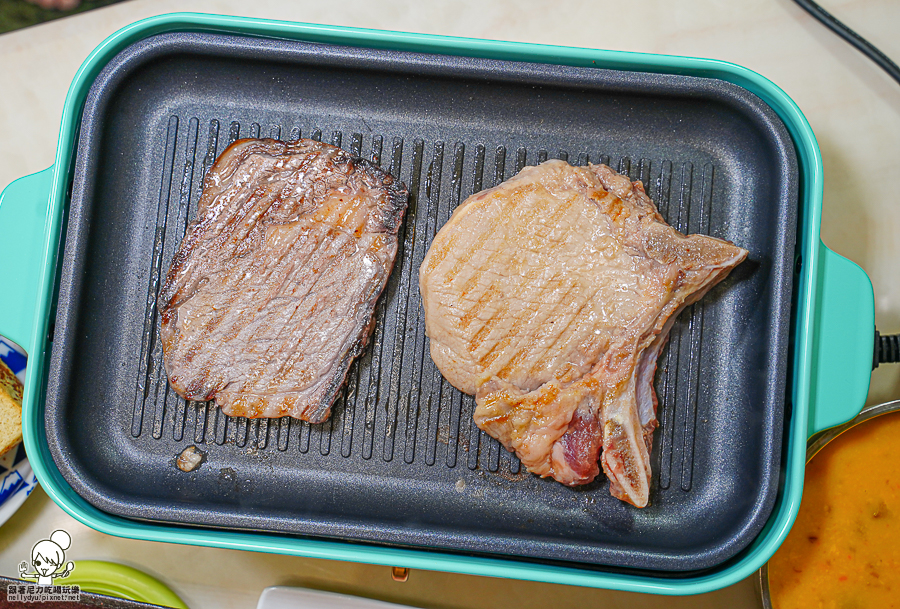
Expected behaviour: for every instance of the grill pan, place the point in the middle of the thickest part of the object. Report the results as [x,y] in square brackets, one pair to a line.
[400,468]
[401,460]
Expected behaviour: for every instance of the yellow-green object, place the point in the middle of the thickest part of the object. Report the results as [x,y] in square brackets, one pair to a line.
[120,581]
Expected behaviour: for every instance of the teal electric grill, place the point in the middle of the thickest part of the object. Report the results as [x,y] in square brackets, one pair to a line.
[399,475]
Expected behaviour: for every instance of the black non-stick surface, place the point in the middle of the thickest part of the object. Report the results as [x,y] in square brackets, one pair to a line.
[400,461]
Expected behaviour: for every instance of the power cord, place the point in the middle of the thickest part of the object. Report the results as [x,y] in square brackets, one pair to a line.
[864,46]
[887,348]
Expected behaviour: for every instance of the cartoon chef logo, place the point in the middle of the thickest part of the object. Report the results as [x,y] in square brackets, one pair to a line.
[47,558]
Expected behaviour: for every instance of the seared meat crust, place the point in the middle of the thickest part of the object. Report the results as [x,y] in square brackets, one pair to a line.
[271,293]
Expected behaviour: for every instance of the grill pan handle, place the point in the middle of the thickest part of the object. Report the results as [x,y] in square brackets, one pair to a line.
[24,230]
[843,336]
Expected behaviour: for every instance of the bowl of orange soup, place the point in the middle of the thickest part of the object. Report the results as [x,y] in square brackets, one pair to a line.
[844,547]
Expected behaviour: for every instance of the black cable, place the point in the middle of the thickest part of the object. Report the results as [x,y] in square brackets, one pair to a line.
[863,45]
[887,349]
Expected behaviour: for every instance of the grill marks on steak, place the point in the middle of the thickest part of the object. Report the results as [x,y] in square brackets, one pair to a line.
[549,297]
[271,293]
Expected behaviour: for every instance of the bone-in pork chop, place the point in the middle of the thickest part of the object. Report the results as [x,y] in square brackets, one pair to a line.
[271,293]
[549,297]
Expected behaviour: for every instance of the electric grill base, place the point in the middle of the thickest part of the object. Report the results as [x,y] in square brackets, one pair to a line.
[400,475]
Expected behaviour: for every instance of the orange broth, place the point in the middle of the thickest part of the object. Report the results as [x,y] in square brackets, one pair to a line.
[844,549]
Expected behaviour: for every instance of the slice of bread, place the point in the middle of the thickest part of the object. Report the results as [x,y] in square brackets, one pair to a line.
[10,409]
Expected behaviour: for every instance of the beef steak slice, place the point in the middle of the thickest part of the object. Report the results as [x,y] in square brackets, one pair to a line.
[271,293]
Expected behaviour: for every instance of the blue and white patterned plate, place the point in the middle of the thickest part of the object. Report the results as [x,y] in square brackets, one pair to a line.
[16,478]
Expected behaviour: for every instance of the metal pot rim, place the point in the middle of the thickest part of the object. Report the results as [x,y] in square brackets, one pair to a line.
[815,444]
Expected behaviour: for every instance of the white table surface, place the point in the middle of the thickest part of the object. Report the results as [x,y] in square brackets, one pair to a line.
[853,107]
